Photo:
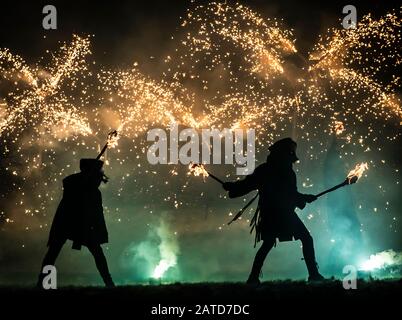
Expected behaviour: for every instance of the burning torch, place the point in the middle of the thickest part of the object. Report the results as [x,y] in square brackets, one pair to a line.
[199,170]
[352,177]
[112,139]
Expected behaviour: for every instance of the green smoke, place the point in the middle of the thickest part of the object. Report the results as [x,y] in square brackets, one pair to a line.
[156,256]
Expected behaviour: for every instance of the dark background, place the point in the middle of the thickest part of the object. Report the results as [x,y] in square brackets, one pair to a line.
[148,25]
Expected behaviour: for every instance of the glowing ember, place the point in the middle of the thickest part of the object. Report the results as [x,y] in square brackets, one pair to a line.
[198,169]
[357,172]
[338,127]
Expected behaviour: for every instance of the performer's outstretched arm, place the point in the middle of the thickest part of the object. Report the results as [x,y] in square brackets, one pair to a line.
[242,187]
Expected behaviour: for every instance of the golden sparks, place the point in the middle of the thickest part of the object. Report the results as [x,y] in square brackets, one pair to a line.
[230,68]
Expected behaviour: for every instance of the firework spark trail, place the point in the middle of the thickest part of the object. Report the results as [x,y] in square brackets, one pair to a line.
[344,50]
[251,102]
[18,66]
[263,40]
[157,104]
[44,105]
[143,102]
[364,98]
[262,45]
[341,45]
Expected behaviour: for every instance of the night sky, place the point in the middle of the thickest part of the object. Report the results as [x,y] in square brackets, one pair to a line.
[149,214]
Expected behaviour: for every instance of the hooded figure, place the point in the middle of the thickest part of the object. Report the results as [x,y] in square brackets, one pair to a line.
[275,217]
[79,217]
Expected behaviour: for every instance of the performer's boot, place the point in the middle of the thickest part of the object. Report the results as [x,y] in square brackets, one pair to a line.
[107,279]
[50,258]
[314,275]
[102,266]
[254,277]
[39,284]
[104,272]
[309,259]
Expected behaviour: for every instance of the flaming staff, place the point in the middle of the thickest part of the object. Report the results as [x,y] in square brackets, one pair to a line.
[198,169]
[352,177]
[112,139]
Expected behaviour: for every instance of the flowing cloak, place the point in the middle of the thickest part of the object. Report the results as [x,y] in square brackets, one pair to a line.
[275,216]
[79,216]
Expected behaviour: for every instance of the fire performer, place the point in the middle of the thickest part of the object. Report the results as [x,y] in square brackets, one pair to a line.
[79,218]
[275,217]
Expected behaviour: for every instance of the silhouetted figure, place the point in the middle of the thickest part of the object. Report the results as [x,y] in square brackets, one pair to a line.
[275,217]
[79,218]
